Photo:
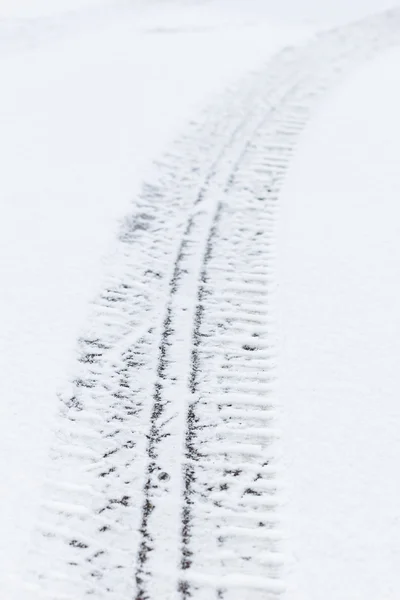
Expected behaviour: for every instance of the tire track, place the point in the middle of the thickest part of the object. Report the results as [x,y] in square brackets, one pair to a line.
[191,245]
[164,481]
[88,532]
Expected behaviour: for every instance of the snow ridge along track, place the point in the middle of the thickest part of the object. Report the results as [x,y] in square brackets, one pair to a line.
[163,481]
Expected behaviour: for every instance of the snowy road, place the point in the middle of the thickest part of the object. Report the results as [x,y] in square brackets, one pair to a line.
[163,470]
[165,476]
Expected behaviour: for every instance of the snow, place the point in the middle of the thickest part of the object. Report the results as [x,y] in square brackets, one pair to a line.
[92,91]
[28,9]
[340,323]
[81,117]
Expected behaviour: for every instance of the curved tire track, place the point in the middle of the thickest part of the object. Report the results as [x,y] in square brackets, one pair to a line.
[163,482]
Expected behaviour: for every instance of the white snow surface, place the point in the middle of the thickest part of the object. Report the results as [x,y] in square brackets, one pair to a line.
[340,325]
[92,92]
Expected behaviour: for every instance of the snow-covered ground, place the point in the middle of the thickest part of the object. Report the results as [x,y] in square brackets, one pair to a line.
[341,343]
[26,9]
[93,91]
